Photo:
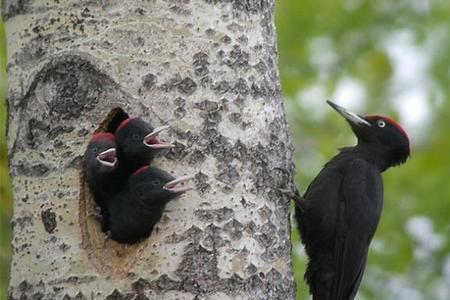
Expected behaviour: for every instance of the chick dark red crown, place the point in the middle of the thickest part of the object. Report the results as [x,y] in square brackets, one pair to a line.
[103,135]
[124,123]
[140,170]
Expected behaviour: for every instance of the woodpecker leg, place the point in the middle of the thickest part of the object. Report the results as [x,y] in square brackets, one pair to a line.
[96,215]
[95,212]
[297,197]
[106,237]
[294,195]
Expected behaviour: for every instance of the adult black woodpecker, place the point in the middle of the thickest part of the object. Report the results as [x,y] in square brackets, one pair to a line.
[140,205]
[138,143]
[339,213]
[102,171]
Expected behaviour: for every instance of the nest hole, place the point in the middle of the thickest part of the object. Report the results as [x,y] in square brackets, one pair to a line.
[112,120]
[107,256]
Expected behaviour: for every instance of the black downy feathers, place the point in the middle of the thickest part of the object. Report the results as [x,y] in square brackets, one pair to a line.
[130,194]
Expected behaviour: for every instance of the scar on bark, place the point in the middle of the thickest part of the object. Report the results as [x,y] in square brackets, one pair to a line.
[107,256]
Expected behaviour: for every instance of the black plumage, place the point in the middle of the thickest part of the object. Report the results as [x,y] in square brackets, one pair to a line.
[339,213]
[102,173]
[138,143]
[140,205]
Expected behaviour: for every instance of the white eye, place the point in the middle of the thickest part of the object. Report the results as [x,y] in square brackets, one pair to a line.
[381,123]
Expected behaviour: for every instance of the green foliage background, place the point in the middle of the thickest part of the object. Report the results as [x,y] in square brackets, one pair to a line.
[5,188]
[322,43]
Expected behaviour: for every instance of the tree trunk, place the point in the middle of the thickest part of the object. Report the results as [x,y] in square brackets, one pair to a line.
[209,69]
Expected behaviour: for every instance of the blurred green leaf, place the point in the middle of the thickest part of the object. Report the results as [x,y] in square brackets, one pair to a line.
[5,186]
[322,42]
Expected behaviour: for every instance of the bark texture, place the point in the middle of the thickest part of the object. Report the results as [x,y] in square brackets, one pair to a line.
[206,67]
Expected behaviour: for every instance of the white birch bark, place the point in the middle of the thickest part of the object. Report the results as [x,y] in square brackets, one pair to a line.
[209,69]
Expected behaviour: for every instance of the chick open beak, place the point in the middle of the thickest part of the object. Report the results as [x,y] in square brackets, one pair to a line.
[153,141]
[108,158]
[179,185]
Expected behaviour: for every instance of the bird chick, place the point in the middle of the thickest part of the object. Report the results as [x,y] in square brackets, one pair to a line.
[339,213]
[140,205]
[138,143]
[102,173]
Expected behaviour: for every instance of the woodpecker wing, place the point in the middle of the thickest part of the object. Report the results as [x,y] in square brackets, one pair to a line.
[316,216]
[361,198]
